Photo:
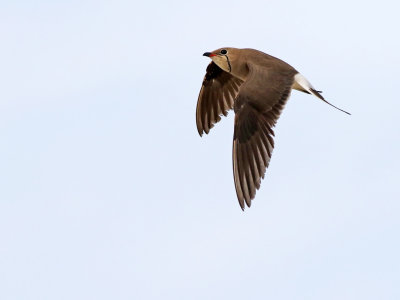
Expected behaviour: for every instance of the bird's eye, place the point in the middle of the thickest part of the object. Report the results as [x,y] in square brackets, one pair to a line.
[223,51]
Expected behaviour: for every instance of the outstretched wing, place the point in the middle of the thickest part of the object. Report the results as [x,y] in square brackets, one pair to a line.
[258,106]
[217,94]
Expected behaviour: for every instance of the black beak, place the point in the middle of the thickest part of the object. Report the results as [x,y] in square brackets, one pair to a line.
[207,54]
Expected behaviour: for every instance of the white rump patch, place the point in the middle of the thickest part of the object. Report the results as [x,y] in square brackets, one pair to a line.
[302,84]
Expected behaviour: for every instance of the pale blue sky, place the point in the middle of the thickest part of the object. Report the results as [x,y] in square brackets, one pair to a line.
[108,192]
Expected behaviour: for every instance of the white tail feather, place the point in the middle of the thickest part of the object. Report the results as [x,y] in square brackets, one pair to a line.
[302,84]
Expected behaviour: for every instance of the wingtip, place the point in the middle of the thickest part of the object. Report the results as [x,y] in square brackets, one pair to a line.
[243,203]
[248,203]
[200,130]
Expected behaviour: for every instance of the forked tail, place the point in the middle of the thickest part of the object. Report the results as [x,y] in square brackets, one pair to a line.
[302,84]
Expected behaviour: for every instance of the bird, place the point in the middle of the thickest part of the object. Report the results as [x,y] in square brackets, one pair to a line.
[256,86]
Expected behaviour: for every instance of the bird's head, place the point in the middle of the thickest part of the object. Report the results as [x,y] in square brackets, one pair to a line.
[224,57]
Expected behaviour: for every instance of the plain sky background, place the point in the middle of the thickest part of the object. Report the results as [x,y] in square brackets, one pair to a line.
[108,192]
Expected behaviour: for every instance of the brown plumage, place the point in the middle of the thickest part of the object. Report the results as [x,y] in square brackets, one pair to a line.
[257,86]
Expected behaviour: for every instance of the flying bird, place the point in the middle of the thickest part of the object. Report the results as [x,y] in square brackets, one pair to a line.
[257,86]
